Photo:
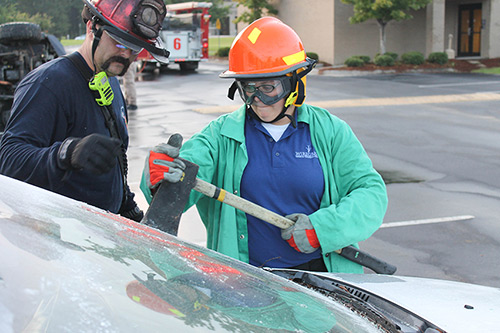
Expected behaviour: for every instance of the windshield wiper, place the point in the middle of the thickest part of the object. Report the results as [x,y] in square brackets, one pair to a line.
[341,294]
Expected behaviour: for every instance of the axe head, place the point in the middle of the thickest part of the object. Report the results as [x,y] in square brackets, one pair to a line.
[164,212]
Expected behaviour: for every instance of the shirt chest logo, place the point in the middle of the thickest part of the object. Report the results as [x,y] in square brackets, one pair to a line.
[309,153]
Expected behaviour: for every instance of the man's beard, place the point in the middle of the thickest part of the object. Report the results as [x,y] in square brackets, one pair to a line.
[124,61]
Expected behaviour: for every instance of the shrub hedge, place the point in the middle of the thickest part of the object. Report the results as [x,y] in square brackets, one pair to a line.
[384,60]
[312,55]
[440,58]
[413,58]
[354,61]
[223,52]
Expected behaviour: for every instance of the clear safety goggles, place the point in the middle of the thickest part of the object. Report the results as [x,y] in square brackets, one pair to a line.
[268,91]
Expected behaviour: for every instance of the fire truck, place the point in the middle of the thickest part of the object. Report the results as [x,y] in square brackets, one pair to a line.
[185,33]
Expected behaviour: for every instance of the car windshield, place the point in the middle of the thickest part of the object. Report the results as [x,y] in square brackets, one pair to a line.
[69,266]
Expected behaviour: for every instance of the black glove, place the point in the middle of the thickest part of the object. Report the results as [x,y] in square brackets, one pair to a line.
[129,208]
[135,214]
[95,153]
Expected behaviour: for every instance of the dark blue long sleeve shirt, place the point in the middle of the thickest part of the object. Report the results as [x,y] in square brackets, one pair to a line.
[52,103]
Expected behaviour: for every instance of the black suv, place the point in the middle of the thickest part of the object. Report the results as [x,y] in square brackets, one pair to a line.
[23,47]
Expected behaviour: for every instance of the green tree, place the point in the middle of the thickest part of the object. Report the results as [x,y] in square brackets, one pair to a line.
[10,13]
[384,11]
[255,10]
[64,14]
[218,11]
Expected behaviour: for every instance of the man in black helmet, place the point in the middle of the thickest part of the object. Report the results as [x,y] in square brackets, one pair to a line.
[68,128]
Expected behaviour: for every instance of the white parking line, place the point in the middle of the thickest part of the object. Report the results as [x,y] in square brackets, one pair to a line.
[457,84]
[427,221]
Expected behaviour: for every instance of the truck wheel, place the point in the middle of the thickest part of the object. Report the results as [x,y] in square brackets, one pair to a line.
[20,31]
[188,66]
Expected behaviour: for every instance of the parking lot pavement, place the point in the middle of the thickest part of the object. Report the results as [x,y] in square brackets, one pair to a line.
[435,135]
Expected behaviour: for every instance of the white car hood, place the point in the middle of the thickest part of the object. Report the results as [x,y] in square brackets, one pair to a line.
[452,306]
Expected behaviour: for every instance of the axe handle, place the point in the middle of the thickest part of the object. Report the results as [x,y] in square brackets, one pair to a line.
[244,205]
[348,252]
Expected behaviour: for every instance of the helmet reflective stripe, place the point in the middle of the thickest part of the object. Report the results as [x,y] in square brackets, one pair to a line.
[295,58]
[254,35]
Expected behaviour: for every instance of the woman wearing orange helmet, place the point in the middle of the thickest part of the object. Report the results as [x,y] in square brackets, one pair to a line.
[292,158]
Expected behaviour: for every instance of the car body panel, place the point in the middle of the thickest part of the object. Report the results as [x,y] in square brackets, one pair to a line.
[453,306]
[68,266]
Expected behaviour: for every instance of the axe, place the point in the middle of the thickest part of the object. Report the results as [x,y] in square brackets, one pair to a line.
[165,210]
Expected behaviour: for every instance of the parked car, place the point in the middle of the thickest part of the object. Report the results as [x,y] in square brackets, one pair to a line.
[23,47]
[68,266]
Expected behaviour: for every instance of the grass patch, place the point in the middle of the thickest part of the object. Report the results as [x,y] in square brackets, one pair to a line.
[71,42]
[492,70]
[216,42]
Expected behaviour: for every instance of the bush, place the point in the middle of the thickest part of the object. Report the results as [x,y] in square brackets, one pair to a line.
[413,58]
[384,60]
[222,52]
[366,59]
[440,58]
[312,55]
[354,62]
[393,55]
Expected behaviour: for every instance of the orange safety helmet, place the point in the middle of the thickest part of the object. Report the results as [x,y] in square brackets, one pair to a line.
[265,48]
[133,23]
[268,48]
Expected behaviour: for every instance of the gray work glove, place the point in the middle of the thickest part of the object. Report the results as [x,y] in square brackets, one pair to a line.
[162,163]
[95,153]
[301,236]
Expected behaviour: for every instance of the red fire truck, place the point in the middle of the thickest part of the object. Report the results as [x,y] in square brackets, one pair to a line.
[185,33]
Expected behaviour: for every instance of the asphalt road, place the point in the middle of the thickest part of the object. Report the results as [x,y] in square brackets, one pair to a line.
[434,137]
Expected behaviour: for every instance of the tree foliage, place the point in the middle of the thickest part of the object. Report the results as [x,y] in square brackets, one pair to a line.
[10,13]
[384,11]
[256,9]
[62,17]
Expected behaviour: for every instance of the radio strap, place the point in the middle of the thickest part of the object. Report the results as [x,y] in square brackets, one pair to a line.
[109,118]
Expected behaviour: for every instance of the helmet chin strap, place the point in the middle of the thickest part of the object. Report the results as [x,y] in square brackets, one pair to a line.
[97,38]
[283,114]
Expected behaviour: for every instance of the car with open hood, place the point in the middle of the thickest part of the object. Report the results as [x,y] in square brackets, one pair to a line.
[69,266]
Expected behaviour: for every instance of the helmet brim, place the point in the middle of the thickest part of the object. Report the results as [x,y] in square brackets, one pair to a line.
[257,75]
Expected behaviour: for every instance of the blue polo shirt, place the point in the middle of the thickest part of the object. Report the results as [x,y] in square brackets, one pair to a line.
[284,177]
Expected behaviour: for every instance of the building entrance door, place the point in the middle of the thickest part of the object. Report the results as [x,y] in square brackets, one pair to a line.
[469,30]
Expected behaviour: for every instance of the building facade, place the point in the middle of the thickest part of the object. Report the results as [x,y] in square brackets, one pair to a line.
[462,28]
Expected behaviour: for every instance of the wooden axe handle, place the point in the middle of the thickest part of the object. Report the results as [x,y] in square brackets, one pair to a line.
[348,252]
[244,205]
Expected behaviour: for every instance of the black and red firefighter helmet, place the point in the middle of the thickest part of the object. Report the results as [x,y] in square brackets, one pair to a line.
[134,23]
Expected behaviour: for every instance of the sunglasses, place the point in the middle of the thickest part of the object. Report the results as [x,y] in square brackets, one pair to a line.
[121,46]
[134,51]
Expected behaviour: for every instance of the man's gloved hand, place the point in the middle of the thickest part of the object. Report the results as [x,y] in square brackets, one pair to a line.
[301,236]
[135,214]
[95,153]
[162,163]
